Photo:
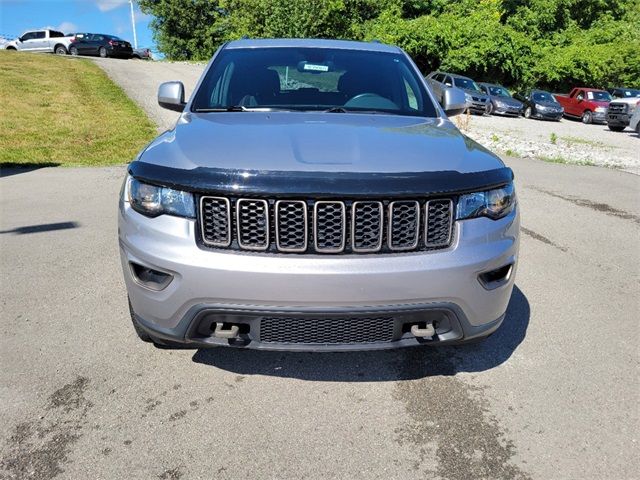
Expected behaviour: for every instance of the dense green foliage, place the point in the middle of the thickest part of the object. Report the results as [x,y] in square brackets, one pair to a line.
[548,43]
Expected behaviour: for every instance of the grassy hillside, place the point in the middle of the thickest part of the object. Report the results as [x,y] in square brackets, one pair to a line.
[65,111]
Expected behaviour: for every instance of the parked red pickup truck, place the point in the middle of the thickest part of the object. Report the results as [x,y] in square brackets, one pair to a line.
[589,104]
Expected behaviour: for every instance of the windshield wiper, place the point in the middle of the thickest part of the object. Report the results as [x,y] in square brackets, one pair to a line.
[355,110]
[232,108]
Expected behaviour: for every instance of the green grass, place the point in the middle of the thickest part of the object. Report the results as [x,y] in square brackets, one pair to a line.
[65,111]
[563,160]
[554,138]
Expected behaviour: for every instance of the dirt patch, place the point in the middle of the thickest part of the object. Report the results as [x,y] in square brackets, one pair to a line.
[449,423]
[39,449]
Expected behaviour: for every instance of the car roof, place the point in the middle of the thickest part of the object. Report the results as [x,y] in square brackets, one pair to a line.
[589,89]
[313,43]
[486,84]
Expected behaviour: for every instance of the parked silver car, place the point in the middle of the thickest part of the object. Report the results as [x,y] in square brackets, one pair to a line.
[313,195]
[500,100]
[45,40]
[477,101]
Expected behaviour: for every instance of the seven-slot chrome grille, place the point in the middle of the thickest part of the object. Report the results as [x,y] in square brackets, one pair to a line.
[617,107]
[325,226]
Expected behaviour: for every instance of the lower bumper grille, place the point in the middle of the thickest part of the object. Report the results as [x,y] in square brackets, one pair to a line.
[327,330]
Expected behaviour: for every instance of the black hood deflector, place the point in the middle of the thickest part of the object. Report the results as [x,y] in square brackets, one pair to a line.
[276,184]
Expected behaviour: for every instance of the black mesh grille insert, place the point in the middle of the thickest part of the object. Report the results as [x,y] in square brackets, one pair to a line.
[438,222]
[253,224]
[366,226]
[291,225]
[329,223]
[326,330]
[404,225]
[216,228]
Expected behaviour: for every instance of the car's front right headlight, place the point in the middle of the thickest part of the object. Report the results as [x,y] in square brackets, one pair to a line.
[494,204]
[601,109]
[153,200]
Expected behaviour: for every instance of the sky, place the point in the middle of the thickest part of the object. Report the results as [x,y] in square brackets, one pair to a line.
[91,16]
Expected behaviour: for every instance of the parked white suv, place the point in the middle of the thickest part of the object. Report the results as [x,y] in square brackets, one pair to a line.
[51,41]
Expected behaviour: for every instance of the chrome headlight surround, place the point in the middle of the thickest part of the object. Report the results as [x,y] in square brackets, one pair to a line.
[494,204]
[152,200]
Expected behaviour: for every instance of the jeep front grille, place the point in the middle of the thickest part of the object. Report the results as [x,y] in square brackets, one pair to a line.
[618,107]
[326,226]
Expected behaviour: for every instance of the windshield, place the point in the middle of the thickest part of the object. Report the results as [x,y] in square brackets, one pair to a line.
[599,96]
[630,93]
[292,78]
[499,92]
[544,97]
[466,83]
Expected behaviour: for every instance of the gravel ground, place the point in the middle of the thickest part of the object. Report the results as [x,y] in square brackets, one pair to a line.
[567,141]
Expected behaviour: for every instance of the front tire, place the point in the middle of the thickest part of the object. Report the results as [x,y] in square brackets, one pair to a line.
[73,51]
[616,128]
[102,52]
[490,108]
[587,117]
[527,112]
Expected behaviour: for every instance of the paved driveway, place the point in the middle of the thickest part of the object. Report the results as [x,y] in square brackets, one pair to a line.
[552,395]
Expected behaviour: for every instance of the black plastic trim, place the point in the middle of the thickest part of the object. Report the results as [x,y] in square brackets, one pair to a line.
[274,183]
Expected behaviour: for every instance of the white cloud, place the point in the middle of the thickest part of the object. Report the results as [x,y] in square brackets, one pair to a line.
[106,5]
[68,27]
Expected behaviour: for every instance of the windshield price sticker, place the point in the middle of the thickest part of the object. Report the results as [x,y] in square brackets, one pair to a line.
[316,68]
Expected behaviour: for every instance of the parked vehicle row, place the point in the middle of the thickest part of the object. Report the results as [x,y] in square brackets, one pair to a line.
[96,44]
[614,107]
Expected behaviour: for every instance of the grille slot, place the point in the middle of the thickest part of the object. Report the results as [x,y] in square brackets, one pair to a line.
[253,224]
[404,225]
[215,221]
[291,225]
[438,216]
[326,330]
[329,226]
[366,226]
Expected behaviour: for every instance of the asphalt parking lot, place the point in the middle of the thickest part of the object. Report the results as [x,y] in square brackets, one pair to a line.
[553,394]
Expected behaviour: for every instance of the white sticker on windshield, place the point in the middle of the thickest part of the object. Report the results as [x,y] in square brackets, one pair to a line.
[316,68]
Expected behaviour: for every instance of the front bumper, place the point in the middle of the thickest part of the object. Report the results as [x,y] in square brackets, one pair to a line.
[599,117]
[618,119]
[507,111]
[547,115]
[244,288]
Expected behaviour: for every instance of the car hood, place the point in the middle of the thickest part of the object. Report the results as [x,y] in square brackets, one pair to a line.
[547,104]
[475,93]
[600,103]
[318,142]
[629,101]
[507,100]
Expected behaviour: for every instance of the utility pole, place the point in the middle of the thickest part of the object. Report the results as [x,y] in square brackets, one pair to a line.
[133,25]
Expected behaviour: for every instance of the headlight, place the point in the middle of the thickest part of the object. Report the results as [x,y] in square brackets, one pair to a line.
[500,104]
[540,107]
[494,204]
[151,200]
[601,109]
[468,98]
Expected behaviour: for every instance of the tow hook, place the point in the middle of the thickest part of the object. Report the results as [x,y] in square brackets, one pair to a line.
[226,331]
[427,332]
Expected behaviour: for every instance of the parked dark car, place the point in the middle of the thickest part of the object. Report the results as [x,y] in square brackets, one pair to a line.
[500,100]
[620,92]
[101,45]
[540,104]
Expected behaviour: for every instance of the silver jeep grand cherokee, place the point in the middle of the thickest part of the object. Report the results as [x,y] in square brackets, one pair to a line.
[314,196]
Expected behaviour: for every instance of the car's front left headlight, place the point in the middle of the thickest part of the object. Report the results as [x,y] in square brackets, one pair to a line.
[500,104]
[468,98]
[494,204]
[152,200]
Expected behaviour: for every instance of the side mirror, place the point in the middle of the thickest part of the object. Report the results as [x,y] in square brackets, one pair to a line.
[455,102]
[171,96]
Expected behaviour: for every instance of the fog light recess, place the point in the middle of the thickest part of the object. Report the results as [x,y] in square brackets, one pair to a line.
[496,278]
[150,278]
